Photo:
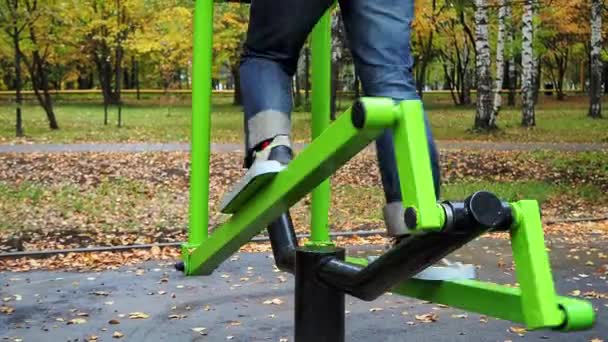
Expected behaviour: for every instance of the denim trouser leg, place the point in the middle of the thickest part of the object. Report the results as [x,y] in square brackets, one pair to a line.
[378,33]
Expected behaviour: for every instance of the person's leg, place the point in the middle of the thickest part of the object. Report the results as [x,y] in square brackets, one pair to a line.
[277,31]
[378,32]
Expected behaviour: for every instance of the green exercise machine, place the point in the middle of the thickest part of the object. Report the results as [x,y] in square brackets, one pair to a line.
[323,274]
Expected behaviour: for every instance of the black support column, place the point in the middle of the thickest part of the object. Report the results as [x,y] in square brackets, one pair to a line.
[319,308]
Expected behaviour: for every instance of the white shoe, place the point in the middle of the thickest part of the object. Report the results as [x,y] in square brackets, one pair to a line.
[267,163]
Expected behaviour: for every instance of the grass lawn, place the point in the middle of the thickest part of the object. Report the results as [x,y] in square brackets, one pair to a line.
[155,120]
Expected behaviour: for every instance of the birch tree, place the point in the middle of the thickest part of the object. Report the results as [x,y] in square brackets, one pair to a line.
[528,66]
[595,84]
[512,72]
[500,61]
[340,55]
[484,117]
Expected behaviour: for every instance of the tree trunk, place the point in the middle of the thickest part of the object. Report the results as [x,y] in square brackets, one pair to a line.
[484,117]
[105,79]
[500,60]
[236,77]
[119,52]
[605,77]
[335,75]
[449,82]
[126,76]
[338,56]
[46,101]
[307,75]
[527,61]
[512,71]
[466,78]
[595,84]
[18,82]
[136,78]
[562,67]
[40,81]
[117,82]
[297,91]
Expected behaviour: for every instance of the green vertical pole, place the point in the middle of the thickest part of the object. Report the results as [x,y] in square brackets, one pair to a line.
[201,121]
[321,96]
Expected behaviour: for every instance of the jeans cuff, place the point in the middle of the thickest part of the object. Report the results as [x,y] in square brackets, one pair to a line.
[266,125]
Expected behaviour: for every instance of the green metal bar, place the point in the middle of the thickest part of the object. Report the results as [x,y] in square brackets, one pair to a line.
[321,96]
[494,300]
[413,163]
[319,160]
[532,266]
[201,121]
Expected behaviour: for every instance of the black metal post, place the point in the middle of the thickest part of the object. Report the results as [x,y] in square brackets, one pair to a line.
[284,242]
[319,308]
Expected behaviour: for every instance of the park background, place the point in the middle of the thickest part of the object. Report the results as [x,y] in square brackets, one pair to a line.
[95,126]
[513,90]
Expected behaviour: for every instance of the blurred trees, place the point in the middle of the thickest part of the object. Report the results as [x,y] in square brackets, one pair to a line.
[117,44]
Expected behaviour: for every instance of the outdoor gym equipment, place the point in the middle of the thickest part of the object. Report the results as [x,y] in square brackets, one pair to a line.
[323,274]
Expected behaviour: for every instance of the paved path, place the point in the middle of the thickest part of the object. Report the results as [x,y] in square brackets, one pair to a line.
[231,147]
[230,303]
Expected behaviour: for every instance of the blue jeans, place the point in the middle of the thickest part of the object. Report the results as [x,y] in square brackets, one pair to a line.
[378,32]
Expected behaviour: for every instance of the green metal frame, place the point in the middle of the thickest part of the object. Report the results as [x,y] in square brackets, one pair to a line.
[321,86]
[534,303]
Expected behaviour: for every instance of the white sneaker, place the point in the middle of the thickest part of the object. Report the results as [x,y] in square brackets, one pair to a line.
[267,163]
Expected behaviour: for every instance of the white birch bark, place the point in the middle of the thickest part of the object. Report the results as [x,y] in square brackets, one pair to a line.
[512,72]
[595,84]
[528,66]
[500,60]
[483,118]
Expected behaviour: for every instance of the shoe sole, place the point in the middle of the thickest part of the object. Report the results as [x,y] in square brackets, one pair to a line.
[258,176]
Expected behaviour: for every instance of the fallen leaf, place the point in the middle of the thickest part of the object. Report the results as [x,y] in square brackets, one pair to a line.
[518,330]
[200,330]
[117,334]
[375,309]
[77,321]
[113,321]
[427,318]
[92,338]
[6,309]
[460,316]
[177,316]
[275,301]
[138,315]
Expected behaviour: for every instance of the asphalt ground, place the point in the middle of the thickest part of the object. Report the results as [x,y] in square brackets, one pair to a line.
[247,299]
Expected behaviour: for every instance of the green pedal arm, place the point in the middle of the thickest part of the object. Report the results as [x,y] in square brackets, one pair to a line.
[413,164]
[534,303]
[348,135]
